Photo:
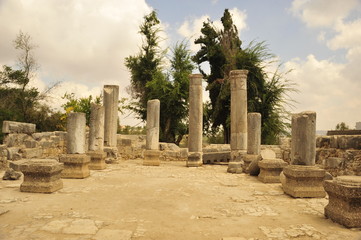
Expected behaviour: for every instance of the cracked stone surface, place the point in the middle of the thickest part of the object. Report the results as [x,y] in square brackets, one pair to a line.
[129,201]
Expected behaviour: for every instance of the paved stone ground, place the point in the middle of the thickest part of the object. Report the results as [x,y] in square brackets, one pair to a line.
[129,201]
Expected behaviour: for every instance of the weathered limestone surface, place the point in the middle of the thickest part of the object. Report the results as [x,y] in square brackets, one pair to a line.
[270,170]
[344,205]
[253,139]
[75,165]
[238,85]
[41,176]
[303,181]
[303,145]
[152,153]
[110,100]
[18,127]
[153,112]
[76,133]
[97,160]
[96,128]
[195,121]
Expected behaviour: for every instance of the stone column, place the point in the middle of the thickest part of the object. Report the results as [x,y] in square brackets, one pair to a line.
[110,100]
[302,178]
[151,154]
[96,131]
[76,162]
[96,138]
[303,144]
[253,142]
[195,121]
[238,85]
[75,133]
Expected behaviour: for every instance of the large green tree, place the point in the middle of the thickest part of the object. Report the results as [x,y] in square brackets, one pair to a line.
[267,95]
[151,80]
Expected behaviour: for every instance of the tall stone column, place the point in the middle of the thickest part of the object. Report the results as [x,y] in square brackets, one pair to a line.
[195,121]
[253,143]
[76,162]
[238,85]
[302,178]
[96,128]
[303,144]
[96,138]
[110,100]
[151,154]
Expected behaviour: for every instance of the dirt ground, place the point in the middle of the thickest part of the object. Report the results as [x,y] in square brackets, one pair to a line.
[131,201]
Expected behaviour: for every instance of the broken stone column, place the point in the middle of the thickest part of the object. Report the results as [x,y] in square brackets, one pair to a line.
[96,138]
[151,154]
[41,176]
[238,85]
[110,102]
[76,162]
[195,121]
[302,178]
[253,140]
[344,206]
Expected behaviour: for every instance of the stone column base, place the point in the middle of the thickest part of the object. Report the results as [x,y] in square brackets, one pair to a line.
[344,206]
[303,181]
[270,170]
[41,176]
[75,165]
[236,162]
[151,158]
[195,159]
[112,155]
[97,160]
[248,159]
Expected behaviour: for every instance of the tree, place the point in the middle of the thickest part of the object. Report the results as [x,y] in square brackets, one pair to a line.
[342,126]
[222,50]
[149,80]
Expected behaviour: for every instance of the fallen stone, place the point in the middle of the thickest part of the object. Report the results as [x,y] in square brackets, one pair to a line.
[18,127]
[11,174]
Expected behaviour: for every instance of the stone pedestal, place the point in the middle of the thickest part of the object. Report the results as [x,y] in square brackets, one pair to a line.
[112,155]
[344,205]
[270,170]
[151,158]
[195,121]
[303,181]
[75,165]
[195,159]
[238,85]
[41,176]
[97,160]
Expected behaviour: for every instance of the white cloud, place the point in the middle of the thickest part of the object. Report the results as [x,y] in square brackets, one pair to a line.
[81,43]
[191,28]
[322,13]
[324,89]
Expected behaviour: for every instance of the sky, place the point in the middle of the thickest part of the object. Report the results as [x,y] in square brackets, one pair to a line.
[83,44]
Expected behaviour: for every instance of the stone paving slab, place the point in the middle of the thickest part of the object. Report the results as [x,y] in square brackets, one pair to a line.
[129,201]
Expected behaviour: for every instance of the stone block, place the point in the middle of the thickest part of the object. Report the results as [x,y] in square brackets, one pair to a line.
[18,127]
[270,170]
[216,157]
[11,152]
[31,152]
[236,162]
[41,176]
[151,158]
[97,160]
[333,162]
[11,174]
[30,144]
[75,165]
[253,168]
[304,181]
[344,206]
[183,154]
[125,142]
[194,159]
[16,164]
